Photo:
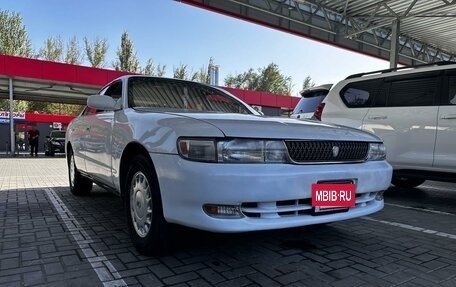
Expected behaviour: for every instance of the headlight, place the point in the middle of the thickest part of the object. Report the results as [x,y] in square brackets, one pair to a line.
[233,151]
[199,150]
[251,151]
[377,151]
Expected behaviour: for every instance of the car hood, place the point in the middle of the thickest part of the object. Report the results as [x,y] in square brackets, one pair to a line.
[253,126]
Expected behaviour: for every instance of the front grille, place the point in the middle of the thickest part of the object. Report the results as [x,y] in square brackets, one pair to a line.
[327,151]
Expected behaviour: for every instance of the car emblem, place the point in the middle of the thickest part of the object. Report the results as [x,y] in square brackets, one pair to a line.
[335,151]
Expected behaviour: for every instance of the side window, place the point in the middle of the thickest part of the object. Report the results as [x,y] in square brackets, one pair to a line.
[114,90]
[360,94]
[412,92]
[451,91]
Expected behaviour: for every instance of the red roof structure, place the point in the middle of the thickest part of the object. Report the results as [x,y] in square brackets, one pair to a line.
[65,83]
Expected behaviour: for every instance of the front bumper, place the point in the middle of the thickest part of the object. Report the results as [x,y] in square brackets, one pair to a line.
[186,186]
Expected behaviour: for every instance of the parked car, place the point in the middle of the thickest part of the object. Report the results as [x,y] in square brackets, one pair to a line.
[191,154]
[413,109]
[55,143]
[311,98]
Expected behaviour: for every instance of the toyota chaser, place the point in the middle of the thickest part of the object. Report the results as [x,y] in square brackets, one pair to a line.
[191,154]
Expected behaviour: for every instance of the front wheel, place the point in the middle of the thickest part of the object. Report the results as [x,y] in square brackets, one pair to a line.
[144,211]
[79,185]
[406,182]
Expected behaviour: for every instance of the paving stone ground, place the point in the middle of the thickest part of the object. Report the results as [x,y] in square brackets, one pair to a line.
[48,237]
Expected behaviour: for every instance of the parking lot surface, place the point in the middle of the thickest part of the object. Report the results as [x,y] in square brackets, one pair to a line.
[48,237]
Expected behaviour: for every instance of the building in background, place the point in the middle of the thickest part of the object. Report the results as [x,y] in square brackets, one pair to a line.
[23,122]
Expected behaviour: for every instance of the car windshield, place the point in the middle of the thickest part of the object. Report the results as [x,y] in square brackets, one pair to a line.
[147,92]
[57,134]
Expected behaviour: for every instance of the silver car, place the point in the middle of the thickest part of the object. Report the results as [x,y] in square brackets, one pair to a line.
[187,153]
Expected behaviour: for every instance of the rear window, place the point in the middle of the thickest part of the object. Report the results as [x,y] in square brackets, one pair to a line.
[309,101]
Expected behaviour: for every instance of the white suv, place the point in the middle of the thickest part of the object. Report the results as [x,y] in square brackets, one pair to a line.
[412,109]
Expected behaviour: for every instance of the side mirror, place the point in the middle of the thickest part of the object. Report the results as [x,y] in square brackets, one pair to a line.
[101,102]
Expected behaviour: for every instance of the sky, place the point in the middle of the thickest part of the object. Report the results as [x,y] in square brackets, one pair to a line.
[173,33]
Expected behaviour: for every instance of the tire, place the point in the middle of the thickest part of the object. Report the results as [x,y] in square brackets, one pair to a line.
[79,185]
[406,182]
[143,208]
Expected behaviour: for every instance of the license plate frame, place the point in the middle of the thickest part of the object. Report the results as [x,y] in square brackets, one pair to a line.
[343,189]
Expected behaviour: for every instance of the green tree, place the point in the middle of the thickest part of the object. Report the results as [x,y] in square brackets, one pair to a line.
[307,83]
[248,80]
[161,70]
[126,56]
[52,49]
[201,76]
[14,39]
[273,81]
[63,109]
[153,70]
[43,107]
[181,72]
[19,106]
[37,106]
[73,53]
[95,51]
[267,79]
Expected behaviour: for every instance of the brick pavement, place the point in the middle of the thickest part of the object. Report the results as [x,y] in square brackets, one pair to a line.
[25,172]
[37,247]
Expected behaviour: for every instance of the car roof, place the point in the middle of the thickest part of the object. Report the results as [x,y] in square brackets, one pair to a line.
[437,66]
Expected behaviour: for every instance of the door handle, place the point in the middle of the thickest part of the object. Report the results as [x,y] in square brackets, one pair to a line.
[448,117]
[377,117]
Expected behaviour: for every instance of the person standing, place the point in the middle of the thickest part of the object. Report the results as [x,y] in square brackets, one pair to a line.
[33,136]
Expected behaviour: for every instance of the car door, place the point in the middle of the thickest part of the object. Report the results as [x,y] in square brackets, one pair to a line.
[445,150]
[99,143]
[404,115]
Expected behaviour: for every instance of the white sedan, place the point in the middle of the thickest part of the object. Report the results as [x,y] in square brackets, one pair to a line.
[187,153]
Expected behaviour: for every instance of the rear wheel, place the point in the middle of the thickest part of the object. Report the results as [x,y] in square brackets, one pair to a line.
[79,185]
[400,181]
[144,211]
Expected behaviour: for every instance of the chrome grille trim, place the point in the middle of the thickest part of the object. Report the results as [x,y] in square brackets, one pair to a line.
[311,152]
